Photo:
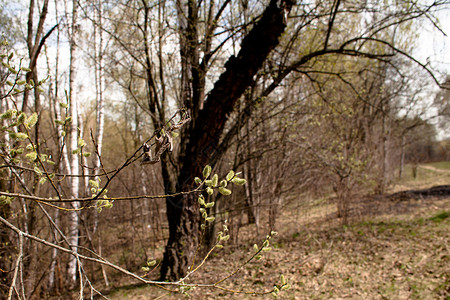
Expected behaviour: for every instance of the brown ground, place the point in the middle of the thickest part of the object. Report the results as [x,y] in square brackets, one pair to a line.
[393,248]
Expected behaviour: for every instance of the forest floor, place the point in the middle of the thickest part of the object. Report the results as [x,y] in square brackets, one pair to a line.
[400,250]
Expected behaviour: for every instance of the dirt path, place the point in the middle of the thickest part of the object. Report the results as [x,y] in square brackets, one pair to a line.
[431,168]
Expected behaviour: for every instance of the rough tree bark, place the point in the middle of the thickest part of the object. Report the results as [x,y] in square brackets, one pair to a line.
[203,135]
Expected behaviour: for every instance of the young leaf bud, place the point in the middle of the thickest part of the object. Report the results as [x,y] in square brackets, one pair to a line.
[201,200]
[19,135]
[210,191]
[21,118]
[25,69]
[32,120]
[223,183]
[215,180]
[37,171]
[283,280]
[224,191]
[239,181]
[230,175]
[206,171]
[197,180]
[81,142]
[225,238]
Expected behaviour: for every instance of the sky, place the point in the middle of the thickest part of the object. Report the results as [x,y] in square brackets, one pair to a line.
[434,45]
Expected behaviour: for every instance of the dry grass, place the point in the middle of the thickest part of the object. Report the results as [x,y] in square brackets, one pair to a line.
[401,251]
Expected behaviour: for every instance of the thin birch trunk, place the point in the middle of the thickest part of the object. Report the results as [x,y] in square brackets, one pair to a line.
[98,57]
[74,184]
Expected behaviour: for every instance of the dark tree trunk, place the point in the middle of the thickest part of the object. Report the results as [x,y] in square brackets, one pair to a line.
[206,129]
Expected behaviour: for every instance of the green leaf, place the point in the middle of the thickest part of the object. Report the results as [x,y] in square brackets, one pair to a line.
[42,180]
[197,180]
[63,105]
[151,263]
[209,205]
[224,191]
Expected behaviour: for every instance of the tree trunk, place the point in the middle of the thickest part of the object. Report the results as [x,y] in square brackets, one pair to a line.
[73,234]
[203,136]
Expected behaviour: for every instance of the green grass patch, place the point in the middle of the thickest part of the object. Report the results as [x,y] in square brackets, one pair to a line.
[444,165]
[440,216]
